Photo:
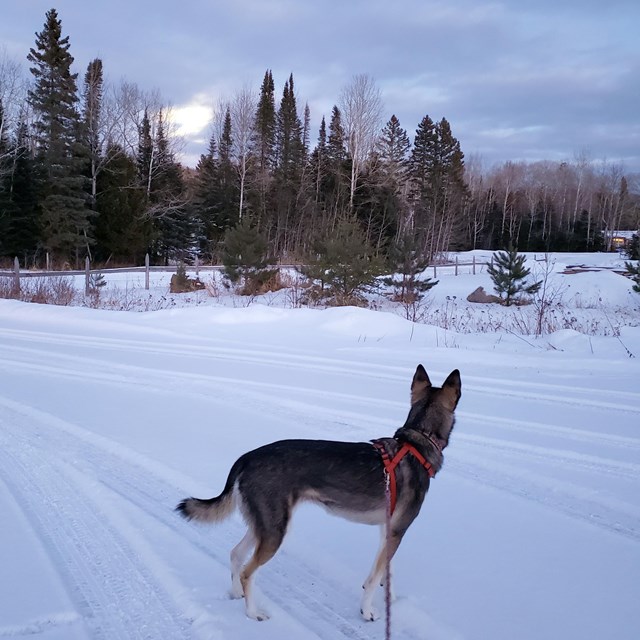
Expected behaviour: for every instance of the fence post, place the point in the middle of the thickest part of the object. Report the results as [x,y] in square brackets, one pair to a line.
[146,272]
[16,277]
[197,267]
[456,271]
[87,276]
[48,262]
[435,274]
[474,265]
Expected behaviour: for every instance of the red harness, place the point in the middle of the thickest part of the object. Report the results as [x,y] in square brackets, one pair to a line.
[390,465]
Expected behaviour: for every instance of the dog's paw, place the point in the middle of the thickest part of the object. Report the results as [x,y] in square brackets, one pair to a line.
[258,615]
[369,614]
[235,594]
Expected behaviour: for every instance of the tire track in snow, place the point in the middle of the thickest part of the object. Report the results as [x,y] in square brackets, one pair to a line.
[317,602]
[504,387]
[115,594]
[106,371]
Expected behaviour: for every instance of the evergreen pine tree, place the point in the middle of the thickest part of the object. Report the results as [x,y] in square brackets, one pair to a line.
[345,265]
[21,212]
[122,234]
[393,149]
[509,275]
[227,180]
[5,182]
[319,164]
[408,264]
[265,126]
[633,270]
[289,143]
[205,202]
[245,257]
[92,123]
[145,156]
[176,231]
[54,96]
[263,149]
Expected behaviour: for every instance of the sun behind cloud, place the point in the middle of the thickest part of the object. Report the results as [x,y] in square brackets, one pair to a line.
[191,119]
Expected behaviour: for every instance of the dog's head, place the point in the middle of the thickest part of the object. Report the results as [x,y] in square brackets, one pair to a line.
[432,408]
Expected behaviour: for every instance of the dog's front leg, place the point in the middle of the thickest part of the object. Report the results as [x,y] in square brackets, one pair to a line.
[377,572]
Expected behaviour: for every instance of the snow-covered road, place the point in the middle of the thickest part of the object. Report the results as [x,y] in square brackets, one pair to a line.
[107,420]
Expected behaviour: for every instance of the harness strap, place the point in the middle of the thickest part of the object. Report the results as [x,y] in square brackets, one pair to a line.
[390,465]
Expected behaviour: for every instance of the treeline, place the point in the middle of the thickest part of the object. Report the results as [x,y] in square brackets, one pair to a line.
[91,170]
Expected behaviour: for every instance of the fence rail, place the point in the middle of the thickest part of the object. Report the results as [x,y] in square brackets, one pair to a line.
[16,273]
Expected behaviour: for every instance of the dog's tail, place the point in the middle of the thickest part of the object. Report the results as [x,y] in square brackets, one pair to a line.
[212,509]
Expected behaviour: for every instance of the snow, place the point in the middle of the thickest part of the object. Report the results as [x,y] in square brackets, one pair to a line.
[109,418]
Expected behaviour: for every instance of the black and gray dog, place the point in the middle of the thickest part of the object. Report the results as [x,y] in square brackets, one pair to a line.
[347,478]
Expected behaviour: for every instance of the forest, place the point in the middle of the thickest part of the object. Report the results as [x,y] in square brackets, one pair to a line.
[90,168]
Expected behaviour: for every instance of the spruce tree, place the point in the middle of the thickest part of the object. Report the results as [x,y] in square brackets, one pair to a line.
[393,150]
[176,231]
[53,98]
[92,123]
[263,149]
[265,125]
[205,202]
[245,257]
[633,271]
[289,142]
[509,275]
[122,234]
[20,208]
[345,265]
[145,156]
[227,179]
[408,264]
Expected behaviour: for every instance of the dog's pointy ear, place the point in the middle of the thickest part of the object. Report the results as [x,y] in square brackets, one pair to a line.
[452,390]
[420,384]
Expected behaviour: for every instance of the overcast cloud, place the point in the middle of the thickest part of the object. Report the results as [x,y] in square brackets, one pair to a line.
[516,80]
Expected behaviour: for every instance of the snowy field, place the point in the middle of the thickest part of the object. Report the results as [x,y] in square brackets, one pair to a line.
[108,418]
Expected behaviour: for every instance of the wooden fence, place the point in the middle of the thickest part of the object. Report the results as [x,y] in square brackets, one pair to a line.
[16,273]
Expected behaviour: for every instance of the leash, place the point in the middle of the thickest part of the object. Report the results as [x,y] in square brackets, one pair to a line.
[387,568]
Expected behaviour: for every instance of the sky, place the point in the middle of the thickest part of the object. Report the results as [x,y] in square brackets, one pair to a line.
[545,80]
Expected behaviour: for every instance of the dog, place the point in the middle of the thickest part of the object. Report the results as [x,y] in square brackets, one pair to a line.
[347,478]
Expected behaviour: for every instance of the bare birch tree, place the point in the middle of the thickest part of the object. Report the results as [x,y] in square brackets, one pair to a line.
[361,107]
[243,110]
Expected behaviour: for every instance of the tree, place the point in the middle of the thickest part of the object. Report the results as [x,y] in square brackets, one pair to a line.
[633,270]
[122,233]
[54,96]
[263,143]
[243,109]
[408,265]
[245,257]
[205,200]
[92,123]
[19,214]
[438,190]
[509,275]
[176,231]
[361,106]
[344,265]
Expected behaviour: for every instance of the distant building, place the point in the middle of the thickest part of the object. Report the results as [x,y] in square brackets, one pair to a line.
[620,239]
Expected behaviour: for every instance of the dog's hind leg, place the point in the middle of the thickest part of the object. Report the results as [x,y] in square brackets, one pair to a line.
[265,550]
[238,556]
[377,572]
